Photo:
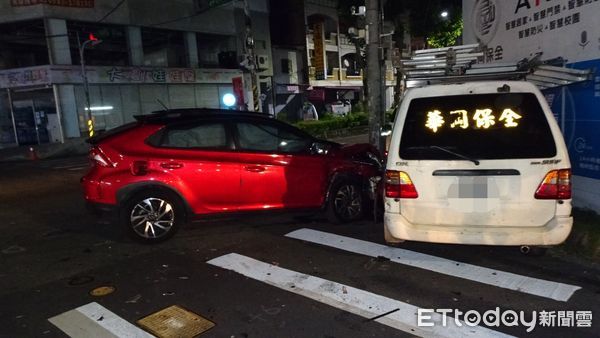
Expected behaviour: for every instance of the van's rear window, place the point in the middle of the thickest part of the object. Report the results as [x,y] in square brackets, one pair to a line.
[479,126]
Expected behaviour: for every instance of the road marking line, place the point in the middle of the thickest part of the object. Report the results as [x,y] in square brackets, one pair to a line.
[94,320]
[507,280]
[350,299]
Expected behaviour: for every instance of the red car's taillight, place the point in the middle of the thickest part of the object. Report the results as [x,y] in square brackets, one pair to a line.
[98,158]
[556,185]
[399,185]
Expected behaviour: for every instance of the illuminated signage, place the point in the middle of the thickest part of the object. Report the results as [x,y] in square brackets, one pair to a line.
[319,60]
[60,3]
[482,118]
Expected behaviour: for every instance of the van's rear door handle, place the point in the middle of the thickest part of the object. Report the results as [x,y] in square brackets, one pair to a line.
[255,168]
[171,165]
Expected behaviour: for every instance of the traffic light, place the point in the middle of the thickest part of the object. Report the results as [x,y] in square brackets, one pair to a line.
[92,37]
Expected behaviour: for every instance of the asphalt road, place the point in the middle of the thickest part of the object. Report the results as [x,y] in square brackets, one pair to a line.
[252,280]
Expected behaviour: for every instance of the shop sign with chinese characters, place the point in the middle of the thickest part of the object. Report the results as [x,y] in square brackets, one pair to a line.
[480,119]
[60,3]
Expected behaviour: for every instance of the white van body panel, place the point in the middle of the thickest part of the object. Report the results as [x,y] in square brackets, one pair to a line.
[452,208]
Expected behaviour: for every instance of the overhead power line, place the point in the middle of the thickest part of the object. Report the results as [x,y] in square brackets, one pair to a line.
[112,10]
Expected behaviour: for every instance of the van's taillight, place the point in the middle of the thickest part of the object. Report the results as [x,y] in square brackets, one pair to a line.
[399,185]
[555,186]
[98,158]
[139,168]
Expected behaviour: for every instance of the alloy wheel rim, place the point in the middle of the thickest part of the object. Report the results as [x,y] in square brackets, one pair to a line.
[347,202]
[152,218]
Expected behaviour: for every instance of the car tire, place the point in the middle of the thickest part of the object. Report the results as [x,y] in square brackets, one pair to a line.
[346,202]
[152,216]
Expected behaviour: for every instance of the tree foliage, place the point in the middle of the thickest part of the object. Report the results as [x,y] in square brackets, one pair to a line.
[447,35]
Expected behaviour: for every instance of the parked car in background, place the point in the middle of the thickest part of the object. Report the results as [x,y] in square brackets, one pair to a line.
[477,163]
[339,108]
[172,166]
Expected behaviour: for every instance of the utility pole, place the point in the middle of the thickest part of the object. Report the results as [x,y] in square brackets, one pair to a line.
[249,51]
[86,88]
[374,72]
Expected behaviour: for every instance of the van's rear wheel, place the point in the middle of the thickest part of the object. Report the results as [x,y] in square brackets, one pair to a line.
[345,202]
[152,216]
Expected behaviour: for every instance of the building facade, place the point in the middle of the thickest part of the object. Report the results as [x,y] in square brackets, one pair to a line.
[562,30]
[153,53]
[323,66]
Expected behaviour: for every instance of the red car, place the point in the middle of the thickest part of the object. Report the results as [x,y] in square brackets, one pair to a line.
[172,166]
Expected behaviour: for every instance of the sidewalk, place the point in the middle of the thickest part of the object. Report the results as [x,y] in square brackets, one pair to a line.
[71,147]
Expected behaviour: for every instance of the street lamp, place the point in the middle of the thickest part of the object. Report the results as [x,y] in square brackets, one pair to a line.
[444,14]
[92,40]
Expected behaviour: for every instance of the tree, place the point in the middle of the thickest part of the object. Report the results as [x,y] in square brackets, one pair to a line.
[447,35]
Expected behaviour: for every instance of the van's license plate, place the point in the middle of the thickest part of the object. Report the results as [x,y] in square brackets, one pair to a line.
[472,187]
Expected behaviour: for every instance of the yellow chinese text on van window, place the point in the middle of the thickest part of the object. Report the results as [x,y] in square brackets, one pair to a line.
[484,118]
[509,117]
[462,120]
[434,120]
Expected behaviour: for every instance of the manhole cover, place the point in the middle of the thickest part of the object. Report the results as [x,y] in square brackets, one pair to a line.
[102,291]
[175,322]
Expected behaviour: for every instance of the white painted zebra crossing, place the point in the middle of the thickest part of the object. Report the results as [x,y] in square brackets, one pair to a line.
[84,321]
[507,280]
[350,299]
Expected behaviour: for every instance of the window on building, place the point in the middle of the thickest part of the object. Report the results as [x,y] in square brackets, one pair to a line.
[23,44]
[217,51]
[112,51]
[285,66]
[163,47]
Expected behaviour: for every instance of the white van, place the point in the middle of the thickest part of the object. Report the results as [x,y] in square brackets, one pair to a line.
[477,163]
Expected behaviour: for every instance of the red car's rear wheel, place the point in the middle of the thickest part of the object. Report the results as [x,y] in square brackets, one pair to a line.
[152,216]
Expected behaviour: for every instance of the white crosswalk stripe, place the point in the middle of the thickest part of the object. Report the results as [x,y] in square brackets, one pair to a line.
[534,286]
[94,320]
[350,299]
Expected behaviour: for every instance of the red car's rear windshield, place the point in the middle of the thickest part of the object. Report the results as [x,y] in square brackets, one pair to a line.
[480,126]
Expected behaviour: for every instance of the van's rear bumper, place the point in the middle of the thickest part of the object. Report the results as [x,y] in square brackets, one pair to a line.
[554,232]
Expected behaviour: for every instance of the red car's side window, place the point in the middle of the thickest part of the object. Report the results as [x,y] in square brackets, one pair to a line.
[206,135]
[269,138]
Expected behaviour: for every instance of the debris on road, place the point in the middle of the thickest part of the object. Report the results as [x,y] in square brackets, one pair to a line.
[134,299]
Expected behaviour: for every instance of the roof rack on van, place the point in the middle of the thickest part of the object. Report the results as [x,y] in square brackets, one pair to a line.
[182,113]
[466,63]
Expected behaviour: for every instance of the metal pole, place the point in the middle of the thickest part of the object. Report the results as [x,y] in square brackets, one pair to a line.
[374,75]
[383,71]
[86,89]
[58,112]
[339,50]
[35,122]
[249,47]
[12,116]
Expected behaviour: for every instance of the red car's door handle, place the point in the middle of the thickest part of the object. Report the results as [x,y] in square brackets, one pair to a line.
[171,165]
[255,168]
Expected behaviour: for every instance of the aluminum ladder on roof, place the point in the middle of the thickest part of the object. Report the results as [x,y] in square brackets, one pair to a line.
[464,63]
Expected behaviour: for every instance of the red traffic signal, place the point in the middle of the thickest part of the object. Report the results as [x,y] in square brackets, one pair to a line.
[92,37]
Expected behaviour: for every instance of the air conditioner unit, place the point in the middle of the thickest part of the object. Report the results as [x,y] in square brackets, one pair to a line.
[262,61]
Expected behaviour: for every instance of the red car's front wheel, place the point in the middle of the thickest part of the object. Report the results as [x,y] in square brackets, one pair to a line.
[345,201]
